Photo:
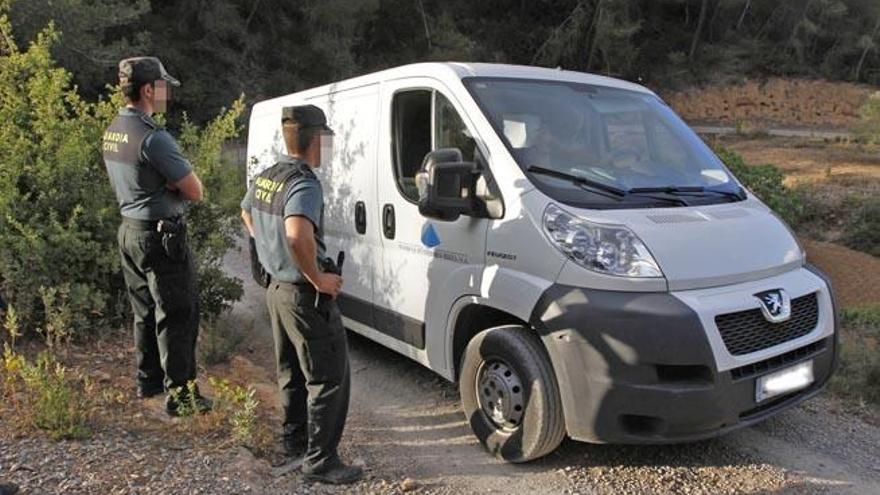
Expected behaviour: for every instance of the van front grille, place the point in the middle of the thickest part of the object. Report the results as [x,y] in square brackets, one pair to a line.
[748,331]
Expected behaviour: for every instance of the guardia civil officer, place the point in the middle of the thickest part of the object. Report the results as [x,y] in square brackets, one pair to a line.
[284,212]
[153,183]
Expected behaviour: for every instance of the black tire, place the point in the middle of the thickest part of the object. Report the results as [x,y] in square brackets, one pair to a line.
[538,427]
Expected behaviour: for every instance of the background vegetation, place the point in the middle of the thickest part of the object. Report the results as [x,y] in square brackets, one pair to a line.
[221,48]
[58,216]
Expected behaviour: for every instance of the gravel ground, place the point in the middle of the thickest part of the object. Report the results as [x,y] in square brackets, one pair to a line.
[405,422]
[406,428]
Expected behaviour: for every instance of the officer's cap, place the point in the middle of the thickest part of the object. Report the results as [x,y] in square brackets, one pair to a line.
[307,116]
[141,70]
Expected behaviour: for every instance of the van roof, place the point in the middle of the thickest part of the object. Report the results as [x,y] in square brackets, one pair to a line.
[458,71]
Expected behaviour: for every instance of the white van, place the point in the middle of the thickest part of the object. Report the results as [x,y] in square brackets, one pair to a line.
[567,249]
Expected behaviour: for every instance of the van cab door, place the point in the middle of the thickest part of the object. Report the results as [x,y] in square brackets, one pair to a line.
[425,264]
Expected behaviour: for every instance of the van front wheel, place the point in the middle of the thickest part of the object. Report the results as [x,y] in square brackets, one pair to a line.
[509,394]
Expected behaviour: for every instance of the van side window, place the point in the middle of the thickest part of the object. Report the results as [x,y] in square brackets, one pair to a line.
[411,137]
[450,131]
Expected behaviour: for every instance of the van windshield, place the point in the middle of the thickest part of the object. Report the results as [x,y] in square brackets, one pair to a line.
[601,147]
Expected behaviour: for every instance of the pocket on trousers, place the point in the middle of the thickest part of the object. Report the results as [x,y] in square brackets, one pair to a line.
[305,304]
[326,359]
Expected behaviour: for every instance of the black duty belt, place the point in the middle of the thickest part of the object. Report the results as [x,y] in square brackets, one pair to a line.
[301,287]
[297,286]
[152,225]
[140,224]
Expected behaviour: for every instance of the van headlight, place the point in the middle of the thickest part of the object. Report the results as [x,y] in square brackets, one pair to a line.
[609,249]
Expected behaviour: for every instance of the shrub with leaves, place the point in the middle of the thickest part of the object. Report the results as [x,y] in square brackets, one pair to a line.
[862,229]
[767,182]
[240,406]
[55,403]
[868,127]
[858,374]
[58,215]
[214,223]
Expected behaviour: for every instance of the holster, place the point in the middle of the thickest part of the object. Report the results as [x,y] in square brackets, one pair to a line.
[327,265]
[174,240]
[261,276]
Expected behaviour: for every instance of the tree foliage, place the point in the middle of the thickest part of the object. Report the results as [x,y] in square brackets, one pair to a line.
[58,215]
[221,48]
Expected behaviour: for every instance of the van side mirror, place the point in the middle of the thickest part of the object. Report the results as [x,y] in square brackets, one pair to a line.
[446,185]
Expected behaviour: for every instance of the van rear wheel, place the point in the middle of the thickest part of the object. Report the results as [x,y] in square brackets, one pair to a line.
[509,394]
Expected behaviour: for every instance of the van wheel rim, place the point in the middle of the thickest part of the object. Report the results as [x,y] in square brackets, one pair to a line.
[500,394]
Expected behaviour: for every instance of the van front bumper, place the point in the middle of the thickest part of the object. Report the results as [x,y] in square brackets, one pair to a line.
[652,368]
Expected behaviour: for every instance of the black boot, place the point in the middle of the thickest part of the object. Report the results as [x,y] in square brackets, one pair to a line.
[340,474]
[186,403]
[8,489]
[145,392]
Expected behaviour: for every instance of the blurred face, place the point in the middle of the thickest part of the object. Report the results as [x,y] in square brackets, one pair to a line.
[326,141]
[161,96]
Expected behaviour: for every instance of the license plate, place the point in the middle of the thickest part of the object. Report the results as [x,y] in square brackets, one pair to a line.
[783,381]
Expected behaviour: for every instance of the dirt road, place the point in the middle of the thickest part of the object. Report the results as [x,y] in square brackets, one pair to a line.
[405,422]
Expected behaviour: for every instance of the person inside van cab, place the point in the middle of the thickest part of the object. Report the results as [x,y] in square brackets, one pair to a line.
[284,212]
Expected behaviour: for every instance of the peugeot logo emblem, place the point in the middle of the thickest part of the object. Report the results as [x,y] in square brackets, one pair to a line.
[775,305]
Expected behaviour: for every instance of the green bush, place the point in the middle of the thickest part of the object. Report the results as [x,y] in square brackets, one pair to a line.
[218,341]
[858,374]
[58,215]
[55,403]
[868,127]
[861,230]
[767,182]
[239,405]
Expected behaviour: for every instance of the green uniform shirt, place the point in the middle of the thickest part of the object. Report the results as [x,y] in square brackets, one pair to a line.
[289,188]
[141,158]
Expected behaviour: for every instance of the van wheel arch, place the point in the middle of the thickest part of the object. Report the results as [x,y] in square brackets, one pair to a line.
[472,320]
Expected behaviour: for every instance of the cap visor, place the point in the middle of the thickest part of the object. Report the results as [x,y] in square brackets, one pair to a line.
[172,81]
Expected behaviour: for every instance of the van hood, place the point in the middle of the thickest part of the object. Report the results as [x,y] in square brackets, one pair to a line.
[708,246]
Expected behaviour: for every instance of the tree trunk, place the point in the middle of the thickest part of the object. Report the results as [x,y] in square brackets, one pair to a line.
[593,34]
[867,48]
[425,22]
[556,31]
[743,15]
[250,17]
[700,22]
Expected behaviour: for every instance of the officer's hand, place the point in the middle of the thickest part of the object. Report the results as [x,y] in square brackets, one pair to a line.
[329,283]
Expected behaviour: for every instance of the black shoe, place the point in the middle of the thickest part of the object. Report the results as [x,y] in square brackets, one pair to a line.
[8,489]
[294,441]
[339,475]
[144,392]
[195,404]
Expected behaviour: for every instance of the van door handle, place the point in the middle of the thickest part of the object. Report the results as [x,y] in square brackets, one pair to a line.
[360,217]
[388,221]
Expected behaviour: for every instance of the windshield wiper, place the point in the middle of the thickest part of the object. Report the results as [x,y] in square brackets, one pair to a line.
[687,191]
[581,181]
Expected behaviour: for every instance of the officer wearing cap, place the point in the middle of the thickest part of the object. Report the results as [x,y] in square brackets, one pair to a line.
[153,183]
[284,212]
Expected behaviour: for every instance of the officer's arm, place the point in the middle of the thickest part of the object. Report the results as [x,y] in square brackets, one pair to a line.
[300,232]
[189,187]
[162,151]
[248,221]
[246,204]
[301,238]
